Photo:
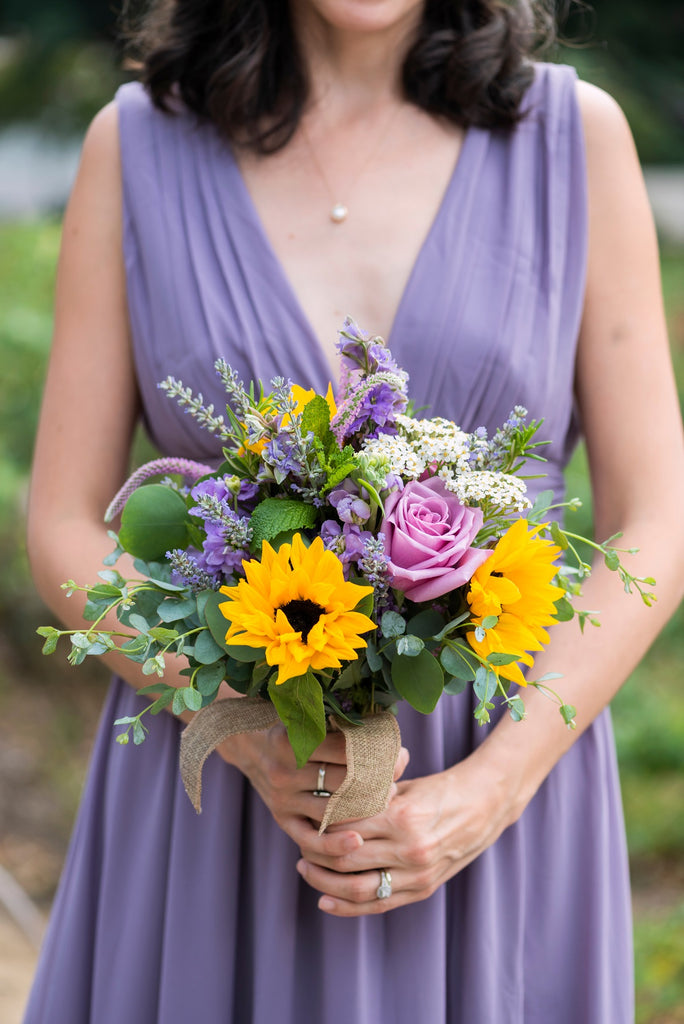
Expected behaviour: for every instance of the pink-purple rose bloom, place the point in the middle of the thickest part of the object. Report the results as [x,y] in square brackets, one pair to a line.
[428,538]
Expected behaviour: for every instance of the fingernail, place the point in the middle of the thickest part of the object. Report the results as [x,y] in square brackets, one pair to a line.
[301,866]
[352,842]
[325,903]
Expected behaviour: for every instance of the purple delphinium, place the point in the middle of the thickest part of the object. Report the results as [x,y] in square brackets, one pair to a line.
[227,533]
[373,389]
[346,541]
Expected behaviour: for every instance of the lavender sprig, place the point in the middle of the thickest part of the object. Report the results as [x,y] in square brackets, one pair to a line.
[192,574]
[195,407]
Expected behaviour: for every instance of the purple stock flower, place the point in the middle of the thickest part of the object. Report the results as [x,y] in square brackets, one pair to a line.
[347,541]
[227,534]
[350,507]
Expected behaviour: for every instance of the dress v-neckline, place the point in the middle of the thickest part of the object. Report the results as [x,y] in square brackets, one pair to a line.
[278,269]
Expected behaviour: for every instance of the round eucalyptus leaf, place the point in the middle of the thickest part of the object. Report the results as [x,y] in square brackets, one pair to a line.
[154,521]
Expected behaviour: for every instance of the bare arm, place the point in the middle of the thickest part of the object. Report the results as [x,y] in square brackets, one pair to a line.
[630,413]
[89,410]
[90,403]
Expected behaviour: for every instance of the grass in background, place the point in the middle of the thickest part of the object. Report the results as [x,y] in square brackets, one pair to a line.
[650,743]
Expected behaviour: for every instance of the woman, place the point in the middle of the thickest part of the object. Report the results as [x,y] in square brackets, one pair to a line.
[400,161]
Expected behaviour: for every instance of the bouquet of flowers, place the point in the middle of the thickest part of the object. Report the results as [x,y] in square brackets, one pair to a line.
[345,555]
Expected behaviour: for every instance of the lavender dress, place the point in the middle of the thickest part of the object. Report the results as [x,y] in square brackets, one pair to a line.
[164,916]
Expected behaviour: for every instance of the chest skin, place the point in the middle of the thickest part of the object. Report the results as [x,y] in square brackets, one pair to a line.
[393,193]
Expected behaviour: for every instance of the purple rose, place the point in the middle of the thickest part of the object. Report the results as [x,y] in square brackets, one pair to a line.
[428,538]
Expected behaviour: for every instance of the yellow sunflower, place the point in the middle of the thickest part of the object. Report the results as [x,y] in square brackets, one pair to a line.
[297,605]
[515,584]
[302,397]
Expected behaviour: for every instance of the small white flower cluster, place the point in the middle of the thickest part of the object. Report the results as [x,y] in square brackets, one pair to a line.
[397,453]
[436,441]
[481,486]
[421,445]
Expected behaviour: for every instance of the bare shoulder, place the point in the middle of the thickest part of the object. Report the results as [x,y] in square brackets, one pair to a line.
[102,138]
[95,203]
[608,140]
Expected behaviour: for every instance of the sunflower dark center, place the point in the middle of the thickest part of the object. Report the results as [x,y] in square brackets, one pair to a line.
[495,573]
[302,616]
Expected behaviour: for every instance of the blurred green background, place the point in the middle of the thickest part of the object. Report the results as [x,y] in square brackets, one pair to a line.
[58,65]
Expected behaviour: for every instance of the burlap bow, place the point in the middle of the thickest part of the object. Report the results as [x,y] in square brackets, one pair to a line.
[371,750]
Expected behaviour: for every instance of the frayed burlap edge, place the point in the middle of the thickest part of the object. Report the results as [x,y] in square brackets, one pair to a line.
[371,750]
[210,727]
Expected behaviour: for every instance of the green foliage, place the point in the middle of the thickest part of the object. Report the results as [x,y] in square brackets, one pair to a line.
[274,516]
[418,679]
[155,520]
[299,703]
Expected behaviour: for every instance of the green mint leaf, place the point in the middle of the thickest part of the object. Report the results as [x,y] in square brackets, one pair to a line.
[275,515]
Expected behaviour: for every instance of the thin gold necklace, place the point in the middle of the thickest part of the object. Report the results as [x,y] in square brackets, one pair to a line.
[339,211]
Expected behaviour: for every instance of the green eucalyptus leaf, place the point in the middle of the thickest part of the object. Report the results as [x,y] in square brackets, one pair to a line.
[372,657]
[490,621]
[558,536]
[540,507]
[163,635]
[139,622]
[459,662]
[172,609]
[392,624]
[50,645]
[154,520]
[409,645]
[485,684]
[419,680]
[454,686]
[451,626]
[425,624]
[207,651]
[192,698]
[612,560]
[210,677]
[178,705]
[516,709]
[564,610]
[499,658]
[216,621]
[218,627]
[162,701]
[201,602]
[139,732]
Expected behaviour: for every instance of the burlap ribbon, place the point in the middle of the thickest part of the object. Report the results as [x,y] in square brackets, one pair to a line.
[371,753]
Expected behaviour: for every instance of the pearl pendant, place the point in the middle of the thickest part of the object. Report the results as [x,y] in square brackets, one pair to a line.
[338,214]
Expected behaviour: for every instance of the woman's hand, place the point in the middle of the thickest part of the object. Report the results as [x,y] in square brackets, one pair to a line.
[267,760]
[433,827]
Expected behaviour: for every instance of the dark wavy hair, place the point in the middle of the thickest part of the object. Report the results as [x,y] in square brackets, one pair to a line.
[237,64]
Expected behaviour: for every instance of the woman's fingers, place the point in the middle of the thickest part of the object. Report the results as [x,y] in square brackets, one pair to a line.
[356,894]
[322,776]
[331,750]
[332,846]
[402,763]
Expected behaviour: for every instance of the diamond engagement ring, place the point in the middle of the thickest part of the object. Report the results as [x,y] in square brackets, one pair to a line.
[320,789]
[384,890]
